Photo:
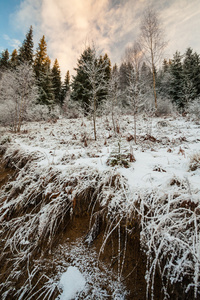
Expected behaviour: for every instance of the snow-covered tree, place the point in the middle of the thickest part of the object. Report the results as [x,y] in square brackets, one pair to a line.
[18,92]
[81,84]
[95,74]
[191,71]
[4,60]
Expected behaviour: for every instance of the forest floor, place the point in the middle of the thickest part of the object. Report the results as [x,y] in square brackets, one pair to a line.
[105,219]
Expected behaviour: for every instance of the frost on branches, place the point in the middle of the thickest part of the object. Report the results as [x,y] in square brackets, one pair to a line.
[17,94]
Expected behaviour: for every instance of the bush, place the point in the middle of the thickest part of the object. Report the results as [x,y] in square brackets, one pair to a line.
[194,108]
[165,107]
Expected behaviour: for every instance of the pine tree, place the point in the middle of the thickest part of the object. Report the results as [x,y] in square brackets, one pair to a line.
[164,79]
[14,60]
[81,86]
[124,72]
[196,78]
[146,80]
[26,50]
[67,82]
[56,81]
[123,77]
[65,89]
[177,79]
[191,70]
[188,92]
[105,63]
[41,62]
[46,90]
[44,74]
[4,60]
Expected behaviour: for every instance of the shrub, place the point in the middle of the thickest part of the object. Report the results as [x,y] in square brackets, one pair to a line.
[194,108]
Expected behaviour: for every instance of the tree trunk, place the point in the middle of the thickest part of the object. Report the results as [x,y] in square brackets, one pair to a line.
[94,118]
[135,123]
[154,77]
[154,88]
[113,120]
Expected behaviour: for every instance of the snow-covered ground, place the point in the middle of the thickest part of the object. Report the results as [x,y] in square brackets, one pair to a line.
[61,145]
[161,179]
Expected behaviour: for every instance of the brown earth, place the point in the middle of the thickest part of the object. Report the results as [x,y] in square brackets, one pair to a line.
[5,174]
[135,261]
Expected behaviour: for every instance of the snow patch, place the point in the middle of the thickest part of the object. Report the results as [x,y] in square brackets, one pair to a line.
[71,282]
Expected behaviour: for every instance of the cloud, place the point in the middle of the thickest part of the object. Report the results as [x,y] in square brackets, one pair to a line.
[12,42]
[69,25]
[27,13]
[181,20]
[111,24]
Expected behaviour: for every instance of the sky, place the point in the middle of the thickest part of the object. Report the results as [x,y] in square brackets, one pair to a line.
[70,25]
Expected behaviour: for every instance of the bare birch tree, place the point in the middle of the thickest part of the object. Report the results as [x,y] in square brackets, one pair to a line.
[134,56]
[114,94]
[152,42]
[95,73]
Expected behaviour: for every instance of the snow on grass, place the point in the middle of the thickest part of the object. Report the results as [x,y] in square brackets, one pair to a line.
[159,187]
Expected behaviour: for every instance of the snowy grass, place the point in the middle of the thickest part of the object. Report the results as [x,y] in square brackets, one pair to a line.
[60,175]
[194,162]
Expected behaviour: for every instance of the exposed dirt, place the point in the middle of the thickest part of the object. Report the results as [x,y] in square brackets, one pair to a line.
[135,261]
[5,173]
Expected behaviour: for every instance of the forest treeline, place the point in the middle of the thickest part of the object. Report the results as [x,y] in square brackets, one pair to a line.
[97,84]
[177,79]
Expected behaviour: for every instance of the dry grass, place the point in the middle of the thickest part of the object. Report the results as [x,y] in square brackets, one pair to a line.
[37,207]
[194,162]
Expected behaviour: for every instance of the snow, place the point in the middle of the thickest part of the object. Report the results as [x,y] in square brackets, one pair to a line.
[160,182]
[61,147]
[71,282]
